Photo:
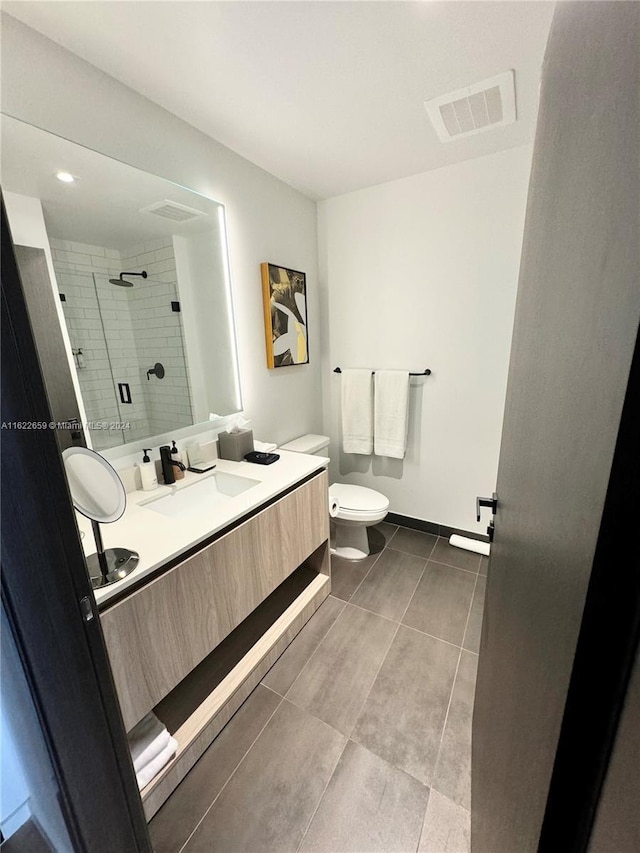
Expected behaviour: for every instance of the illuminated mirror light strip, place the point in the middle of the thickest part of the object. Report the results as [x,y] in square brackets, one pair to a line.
[230,314]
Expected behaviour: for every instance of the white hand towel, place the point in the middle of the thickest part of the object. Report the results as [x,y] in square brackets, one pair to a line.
[152,769]
[146,740]
[357,411]
[264,446]
[155,748]
[391,418]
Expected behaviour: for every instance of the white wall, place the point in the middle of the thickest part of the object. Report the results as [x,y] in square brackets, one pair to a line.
[422,272]
[46,85]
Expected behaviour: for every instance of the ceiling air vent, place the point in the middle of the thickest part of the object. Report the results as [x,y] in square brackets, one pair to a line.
[172,210]
[474,109]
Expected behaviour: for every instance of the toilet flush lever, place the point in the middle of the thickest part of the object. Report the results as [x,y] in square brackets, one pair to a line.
[492,502]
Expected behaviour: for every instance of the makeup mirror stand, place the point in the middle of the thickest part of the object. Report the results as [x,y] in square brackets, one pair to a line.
[108,566]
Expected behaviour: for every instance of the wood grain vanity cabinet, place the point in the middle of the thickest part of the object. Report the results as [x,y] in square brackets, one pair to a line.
[160,633]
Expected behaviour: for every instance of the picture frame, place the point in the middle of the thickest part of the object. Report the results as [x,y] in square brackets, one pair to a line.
[284,295]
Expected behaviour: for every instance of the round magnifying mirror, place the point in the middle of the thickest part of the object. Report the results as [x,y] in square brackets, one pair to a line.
[96,489]
[97,492]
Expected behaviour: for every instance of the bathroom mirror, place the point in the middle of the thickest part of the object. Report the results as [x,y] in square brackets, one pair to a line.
[98,493]
[141,273]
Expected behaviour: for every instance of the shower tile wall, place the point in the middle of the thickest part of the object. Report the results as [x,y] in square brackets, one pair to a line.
[126,328]
[74,264]
[159,334]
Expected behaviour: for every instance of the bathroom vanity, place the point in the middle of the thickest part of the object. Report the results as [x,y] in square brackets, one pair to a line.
[226,579]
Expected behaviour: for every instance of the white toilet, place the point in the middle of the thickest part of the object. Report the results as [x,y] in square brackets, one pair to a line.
[359,507]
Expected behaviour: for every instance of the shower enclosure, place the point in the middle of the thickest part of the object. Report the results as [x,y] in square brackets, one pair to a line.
[118,335]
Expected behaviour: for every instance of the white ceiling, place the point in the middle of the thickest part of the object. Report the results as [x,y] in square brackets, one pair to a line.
[328,95]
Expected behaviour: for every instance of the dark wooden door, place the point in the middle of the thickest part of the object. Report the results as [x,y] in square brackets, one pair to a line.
[575,330]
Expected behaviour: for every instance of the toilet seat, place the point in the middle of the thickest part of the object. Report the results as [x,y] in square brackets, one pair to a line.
[358,503]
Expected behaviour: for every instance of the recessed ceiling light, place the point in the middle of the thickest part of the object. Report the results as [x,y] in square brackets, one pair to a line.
[65,177]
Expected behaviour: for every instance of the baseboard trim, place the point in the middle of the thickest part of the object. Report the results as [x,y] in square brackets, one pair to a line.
[432,527]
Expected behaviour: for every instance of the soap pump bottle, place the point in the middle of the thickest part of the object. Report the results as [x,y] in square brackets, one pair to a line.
[176,456]
[148,472]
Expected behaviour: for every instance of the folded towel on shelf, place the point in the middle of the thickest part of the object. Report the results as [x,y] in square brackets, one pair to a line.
[391,413]
[147,740]
[150,770]
[357,411]
[264,446]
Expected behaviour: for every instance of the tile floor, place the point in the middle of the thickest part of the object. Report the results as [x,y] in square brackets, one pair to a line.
[359,737]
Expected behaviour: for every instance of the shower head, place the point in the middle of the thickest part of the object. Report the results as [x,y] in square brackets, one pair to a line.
[122,283]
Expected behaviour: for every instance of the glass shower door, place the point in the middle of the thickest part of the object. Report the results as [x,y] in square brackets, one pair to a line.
[85,318]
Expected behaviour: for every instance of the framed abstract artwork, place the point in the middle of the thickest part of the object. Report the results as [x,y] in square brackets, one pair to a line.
[284,294]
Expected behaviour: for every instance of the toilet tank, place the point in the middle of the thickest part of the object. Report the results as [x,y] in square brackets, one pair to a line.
[316,445]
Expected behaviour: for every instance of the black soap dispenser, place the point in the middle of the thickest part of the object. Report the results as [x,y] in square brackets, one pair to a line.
[176,456]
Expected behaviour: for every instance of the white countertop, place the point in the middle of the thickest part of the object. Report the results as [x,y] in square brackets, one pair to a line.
[159,539]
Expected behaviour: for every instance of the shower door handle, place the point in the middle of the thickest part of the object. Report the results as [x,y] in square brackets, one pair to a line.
[125,392]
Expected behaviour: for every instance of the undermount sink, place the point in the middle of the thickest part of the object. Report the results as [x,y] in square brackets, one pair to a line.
[198,497]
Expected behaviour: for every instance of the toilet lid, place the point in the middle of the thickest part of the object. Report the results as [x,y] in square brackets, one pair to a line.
[358,498]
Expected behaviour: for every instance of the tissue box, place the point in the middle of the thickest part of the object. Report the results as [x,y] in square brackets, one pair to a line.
[234,445]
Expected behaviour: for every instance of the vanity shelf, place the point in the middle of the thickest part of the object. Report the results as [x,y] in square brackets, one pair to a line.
[195,720]
[194,642]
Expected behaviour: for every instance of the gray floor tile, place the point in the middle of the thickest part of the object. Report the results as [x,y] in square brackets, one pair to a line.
[269,801]
[386,529]
[377,539]
[458,557]
[447,827]
[453,771]
[403,717]
[369,806]
[484,565]
[178,817]
[440,604]
[413,542]
[347,575]
[289,665]
[388,587]
[337,679]
[474,627]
